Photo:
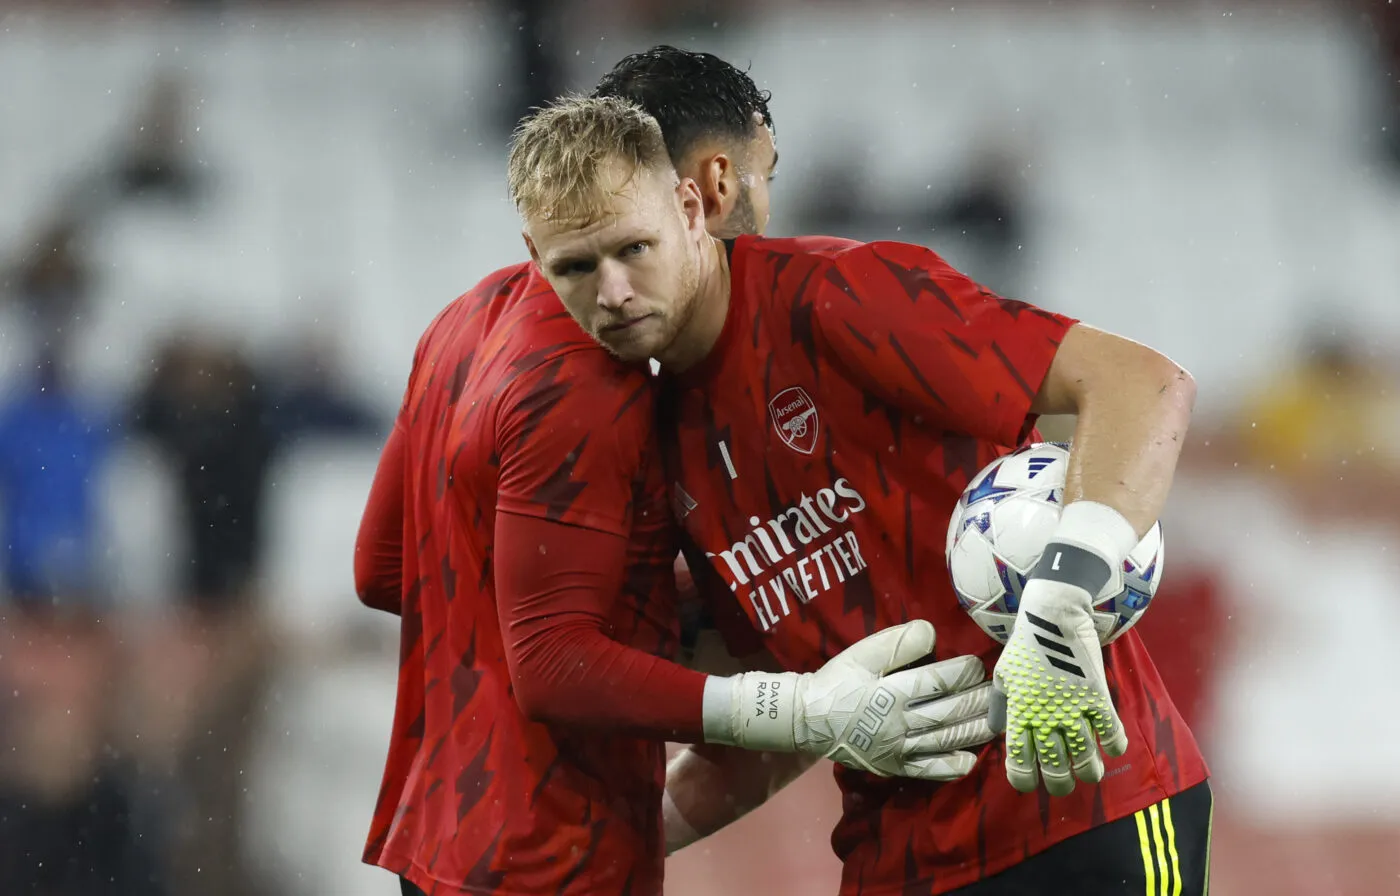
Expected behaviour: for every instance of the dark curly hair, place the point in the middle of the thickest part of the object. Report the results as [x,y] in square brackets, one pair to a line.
[691,95]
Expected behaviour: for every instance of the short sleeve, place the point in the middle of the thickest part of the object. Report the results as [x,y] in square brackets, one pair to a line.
[574,437]
[922,337]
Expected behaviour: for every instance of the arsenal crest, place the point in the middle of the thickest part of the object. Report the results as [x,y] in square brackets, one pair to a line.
[795,416]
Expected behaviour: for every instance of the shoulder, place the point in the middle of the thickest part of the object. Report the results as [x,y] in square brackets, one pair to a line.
[785,272]
[800,263]
[511,316]
[535,357]
[834,250]
[754,253]
[496,288]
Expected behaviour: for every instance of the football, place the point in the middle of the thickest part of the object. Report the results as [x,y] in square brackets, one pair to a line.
[1000,527]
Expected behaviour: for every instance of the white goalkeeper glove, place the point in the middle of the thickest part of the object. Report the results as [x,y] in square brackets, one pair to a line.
[1049,692]
[915,724]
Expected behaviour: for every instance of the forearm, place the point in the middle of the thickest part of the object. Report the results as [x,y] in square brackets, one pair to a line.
[1125,458]
[1134,407]
[556,588]
[571,673]
[709,787]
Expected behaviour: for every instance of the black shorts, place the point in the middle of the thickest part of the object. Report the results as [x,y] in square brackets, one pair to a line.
[1163,850]
[409,889]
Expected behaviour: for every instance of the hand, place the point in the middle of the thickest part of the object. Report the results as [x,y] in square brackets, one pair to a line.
[1050,695]
[856,710]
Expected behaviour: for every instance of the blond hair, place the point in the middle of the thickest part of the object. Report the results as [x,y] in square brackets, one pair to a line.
[565,157]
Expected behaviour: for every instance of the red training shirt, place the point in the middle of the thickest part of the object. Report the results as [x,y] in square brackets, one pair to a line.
[815,457]
[518,524]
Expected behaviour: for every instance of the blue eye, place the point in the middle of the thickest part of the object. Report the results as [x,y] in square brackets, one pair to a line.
[635,249]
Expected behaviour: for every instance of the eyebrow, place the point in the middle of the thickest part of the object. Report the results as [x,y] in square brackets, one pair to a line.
[774,167]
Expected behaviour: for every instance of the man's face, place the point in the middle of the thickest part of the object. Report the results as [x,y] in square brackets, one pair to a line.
[630,277]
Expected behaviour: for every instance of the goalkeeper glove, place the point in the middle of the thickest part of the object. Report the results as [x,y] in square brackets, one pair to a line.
[858,711]
[1049,692]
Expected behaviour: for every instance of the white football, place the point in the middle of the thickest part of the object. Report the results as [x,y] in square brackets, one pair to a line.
[1000,527]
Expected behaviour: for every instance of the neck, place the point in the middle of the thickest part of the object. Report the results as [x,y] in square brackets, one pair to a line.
[694,343]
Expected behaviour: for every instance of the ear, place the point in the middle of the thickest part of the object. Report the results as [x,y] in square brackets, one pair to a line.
[692,206]
[718,180]
[530,244]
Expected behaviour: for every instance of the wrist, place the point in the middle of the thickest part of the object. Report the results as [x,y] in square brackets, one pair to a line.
[1086,548]
[1098,528]
[754,710]
[718,709]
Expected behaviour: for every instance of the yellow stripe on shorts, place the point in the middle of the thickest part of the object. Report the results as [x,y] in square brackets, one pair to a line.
[1153,814]
[1171,847]
[1149,869]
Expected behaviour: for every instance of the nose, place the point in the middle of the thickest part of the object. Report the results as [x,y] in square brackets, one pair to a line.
[614,286]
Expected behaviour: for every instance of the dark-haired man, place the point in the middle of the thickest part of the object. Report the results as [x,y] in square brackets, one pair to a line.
[717,128]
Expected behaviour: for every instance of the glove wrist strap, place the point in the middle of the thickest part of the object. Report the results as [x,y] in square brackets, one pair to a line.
[755,710]
[1096,527]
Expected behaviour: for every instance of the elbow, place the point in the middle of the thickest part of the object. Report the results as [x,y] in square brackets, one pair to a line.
[378,577]
[375,592]
[549,685]
[538,704]
[1178,387]
[1166,396]
[1154,381]
[377,600]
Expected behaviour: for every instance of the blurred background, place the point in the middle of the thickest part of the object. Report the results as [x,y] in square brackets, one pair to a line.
[223,226]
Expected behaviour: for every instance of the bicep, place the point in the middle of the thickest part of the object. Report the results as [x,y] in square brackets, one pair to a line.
[1089,359]
[549,573]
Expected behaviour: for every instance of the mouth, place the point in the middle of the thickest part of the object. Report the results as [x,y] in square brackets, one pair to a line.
[625,325]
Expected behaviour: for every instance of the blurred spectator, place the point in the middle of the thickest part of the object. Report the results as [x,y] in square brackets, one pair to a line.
[206,409]
[199,677]
[198,688]
[1327,428]
[52,448]
[157,163]
[52,281]
[65,813]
